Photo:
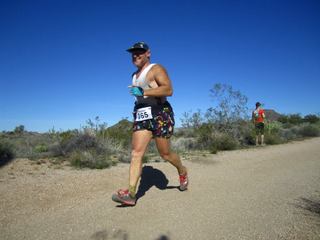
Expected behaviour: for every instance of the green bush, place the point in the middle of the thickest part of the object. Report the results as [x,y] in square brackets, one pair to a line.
[225,142]
[213,149]
[273,139]
[311,118]
[71,141]
[294,119]
[273,127]
[90,159]
[41,148]
[309,131]
[124,156]
[289,134]
[121,133]
[183,144]
[205,136]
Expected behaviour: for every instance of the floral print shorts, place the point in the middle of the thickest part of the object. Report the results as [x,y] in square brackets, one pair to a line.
[161,124]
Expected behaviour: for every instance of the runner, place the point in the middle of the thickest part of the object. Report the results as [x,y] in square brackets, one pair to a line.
[153,118]
[258,118]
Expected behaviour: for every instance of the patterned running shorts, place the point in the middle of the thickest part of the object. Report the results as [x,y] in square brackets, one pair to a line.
[259,127]
[161,124]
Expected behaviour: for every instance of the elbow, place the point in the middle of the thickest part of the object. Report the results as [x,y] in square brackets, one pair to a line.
[169,91]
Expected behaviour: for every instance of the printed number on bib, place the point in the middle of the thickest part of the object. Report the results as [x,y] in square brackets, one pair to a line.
[143,114]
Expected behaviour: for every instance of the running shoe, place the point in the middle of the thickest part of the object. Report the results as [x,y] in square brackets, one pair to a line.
[183,182]
[124,197]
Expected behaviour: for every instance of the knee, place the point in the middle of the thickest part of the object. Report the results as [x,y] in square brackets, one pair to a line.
[136,154]
[165,156]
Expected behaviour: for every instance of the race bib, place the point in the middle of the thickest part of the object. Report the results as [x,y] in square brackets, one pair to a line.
[143,114]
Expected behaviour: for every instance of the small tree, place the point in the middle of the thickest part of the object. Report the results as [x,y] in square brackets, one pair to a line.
[192,120]
[295,119]
[231,105]
[19,129]
[311,118]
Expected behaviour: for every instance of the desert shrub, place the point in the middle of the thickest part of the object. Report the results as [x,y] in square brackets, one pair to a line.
[311,118]
[90,159]
[287,125]
[211,139]
[84,149]
[213,148]
[273,139]
[181,144]
[185,132]
[27,145]
[124,156]
[206,136]
[273,127]
[66,135]
[226,142]
[283,119]
[40,148]
[244,133]
[309,131]
[294,119]
[6,152]
[120,133]
[249,139]
[289,134]
[71,141]
[192,120]
[145,158]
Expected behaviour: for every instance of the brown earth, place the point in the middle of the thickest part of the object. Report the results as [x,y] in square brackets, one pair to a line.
[270,192]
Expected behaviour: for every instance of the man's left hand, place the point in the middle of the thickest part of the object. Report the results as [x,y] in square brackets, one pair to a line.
[136,91]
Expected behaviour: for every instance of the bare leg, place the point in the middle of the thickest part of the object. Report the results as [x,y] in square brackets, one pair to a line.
[257,140]
[140,141]
[262,139]
[163,145]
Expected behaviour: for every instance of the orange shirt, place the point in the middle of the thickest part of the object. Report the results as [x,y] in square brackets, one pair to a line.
[258,115]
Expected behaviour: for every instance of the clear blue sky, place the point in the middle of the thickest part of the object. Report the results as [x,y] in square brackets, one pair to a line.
[63,62]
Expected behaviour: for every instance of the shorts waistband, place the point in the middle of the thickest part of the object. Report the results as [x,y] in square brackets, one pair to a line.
[142,105]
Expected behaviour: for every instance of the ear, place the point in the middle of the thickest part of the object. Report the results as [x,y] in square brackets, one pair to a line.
[148,53]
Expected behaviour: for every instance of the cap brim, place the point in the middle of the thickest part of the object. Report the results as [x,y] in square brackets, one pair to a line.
[135,49]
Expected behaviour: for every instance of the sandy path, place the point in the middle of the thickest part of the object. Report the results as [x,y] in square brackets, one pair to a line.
[260,193]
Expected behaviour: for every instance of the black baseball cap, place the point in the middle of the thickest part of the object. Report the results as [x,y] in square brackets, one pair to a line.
[138,46]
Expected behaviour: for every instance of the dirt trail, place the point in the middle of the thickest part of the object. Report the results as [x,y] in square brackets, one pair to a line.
[260,193]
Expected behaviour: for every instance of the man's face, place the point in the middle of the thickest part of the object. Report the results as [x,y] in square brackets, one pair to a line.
[140,57]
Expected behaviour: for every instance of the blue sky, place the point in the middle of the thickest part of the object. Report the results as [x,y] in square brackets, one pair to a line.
[64,62]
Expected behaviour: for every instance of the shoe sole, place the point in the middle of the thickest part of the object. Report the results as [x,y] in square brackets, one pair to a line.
[183,189]
[115,198]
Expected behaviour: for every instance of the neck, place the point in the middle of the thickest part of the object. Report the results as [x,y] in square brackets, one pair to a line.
[144,66]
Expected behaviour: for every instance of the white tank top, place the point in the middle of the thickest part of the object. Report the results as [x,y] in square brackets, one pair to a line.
[142,82]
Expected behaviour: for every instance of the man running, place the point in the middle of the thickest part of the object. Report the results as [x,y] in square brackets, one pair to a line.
[258,118]
[153,118]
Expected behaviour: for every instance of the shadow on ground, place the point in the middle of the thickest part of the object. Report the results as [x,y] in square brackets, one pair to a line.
[312,205]
[152,177]
[4,160]
[118,235]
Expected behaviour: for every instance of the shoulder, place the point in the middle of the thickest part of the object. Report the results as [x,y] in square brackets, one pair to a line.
[134,73]
[158,71]
[158,68]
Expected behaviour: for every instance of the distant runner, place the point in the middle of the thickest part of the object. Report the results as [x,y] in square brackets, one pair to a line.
[258,118]
[153,118]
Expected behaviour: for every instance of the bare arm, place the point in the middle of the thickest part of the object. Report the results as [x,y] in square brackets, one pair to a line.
[160,77]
